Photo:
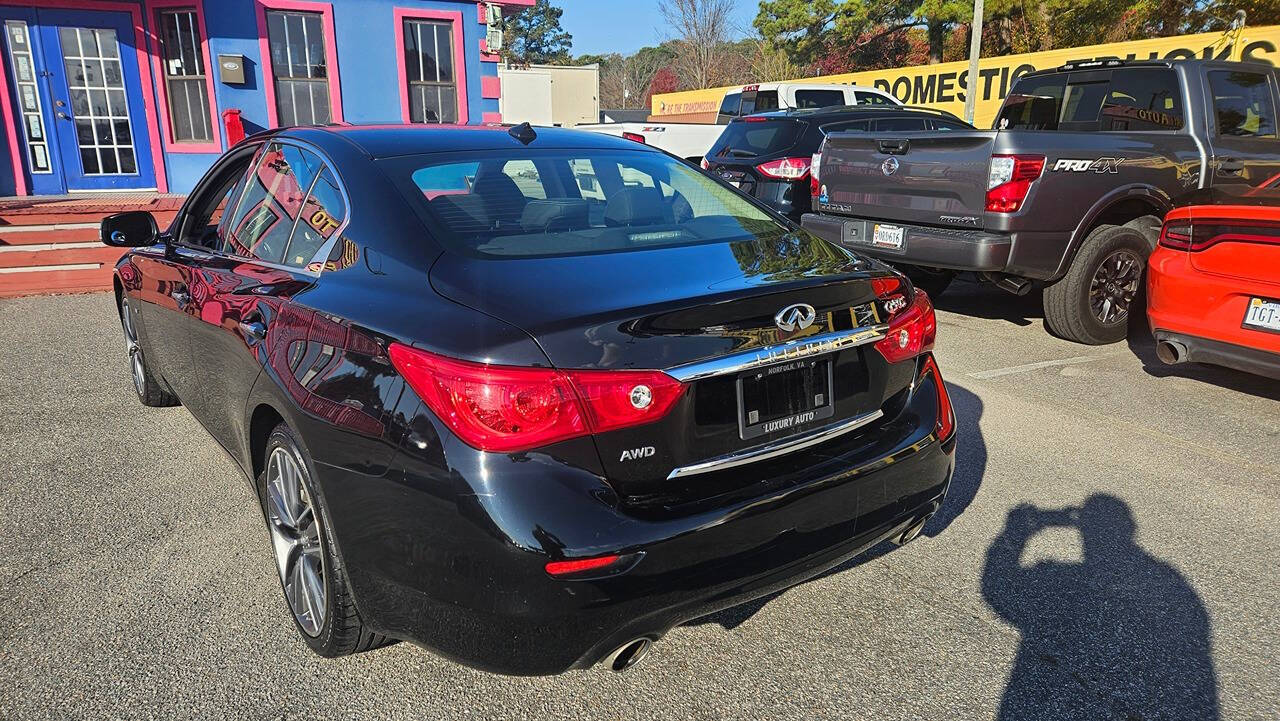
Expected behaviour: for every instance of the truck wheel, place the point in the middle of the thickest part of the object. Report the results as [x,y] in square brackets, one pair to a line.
[1091,303]
[932,280]
[1149,226]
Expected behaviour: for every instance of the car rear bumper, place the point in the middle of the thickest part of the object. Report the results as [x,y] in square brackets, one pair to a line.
[1205,313]
[955,248]
[454,559]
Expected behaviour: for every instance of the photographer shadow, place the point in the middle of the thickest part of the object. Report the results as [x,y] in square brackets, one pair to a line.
[971,466]
[1120,634]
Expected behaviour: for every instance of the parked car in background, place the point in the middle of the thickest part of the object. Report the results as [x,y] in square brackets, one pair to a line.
[691,141]
[1213,287]
[530,422]
[771,155]
[1067,192]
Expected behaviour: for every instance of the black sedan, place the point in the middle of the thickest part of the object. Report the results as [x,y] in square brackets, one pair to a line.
[531,397]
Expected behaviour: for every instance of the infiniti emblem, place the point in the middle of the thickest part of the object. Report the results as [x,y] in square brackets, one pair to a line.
[889,166]
[795,317]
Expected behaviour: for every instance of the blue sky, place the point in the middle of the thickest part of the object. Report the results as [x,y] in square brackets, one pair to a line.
[624,26]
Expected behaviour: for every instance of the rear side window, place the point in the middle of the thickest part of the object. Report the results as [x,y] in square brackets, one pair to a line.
[322,215]
[819,98]
[861,125]
[1142,99]
[899,124]
[730,104]
[1033,103]
[865,98]
[273,199]
[749,138]
[1242,103]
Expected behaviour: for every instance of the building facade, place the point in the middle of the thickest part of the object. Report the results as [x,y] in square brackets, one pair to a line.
[100,95]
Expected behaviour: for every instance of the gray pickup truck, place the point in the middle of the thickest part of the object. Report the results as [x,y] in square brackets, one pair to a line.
[1065,193]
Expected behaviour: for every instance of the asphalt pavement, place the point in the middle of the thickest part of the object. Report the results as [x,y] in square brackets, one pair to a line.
[1108,551]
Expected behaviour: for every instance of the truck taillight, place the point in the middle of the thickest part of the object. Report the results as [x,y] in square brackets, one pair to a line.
[512,408]
[1009,178]
[785,168]
[704,164]
[637,137]
[814,188]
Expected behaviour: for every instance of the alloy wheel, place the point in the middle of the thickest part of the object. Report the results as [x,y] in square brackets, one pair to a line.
[295,538]
[1114,286]
[135,353]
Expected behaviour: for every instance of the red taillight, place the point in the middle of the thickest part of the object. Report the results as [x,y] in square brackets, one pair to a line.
[815,189]
[755,119]
[912,328]
[785,168]
[578,565]
[1177,236]
[510,408]
[946,414]
[704,164]
[1009,179]
[637,137]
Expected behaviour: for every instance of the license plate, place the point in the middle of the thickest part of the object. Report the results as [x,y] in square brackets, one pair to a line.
[887,236]
[1264,314]
[784,398]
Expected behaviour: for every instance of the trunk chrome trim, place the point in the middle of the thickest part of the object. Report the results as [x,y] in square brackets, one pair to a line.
[791,350]
[776,448]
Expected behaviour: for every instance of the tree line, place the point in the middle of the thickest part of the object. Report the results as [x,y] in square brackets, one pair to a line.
[798,38]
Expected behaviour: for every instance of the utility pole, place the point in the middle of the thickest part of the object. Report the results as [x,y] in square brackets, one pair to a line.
[975,49]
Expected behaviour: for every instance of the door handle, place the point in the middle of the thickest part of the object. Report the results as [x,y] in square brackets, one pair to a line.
[253,331]
[1230,166]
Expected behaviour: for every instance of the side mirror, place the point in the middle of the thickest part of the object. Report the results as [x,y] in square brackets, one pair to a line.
[132,229]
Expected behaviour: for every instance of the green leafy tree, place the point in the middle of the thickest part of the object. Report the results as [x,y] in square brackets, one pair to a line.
[534,36]
[810,27]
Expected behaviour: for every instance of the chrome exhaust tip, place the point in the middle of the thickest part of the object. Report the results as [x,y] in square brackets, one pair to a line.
[913,531]
[1171,352]
[628,654]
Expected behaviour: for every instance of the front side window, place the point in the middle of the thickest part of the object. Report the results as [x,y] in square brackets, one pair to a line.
[1242,103]
[184,77]
[489,204]
[428,64]
[273,200]
[299,67]
[819,98]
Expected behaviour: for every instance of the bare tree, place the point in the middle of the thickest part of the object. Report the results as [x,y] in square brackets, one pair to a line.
[701,28]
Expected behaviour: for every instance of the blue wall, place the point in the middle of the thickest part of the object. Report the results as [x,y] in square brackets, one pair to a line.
[367,65]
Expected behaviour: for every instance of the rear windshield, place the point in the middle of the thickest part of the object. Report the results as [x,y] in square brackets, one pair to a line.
[758,136]
[572,202]
[1125,99]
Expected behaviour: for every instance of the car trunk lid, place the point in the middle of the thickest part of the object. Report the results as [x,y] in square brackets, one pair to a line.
[693,310]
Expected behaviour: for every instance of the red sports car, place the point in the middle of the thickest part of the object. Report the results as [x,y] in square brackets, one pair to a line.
[1214,282]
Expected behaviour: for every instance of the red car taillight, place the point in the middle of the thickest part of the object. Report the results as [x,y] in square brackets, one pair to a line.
[785,168]
[946,424]
[510,408]
[1009,179]
[1177,236]
[912,325]
[814,188]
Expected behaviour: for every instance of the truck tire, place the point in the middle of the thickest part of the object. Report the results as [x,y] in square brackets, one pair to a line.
[931,280]
[1092,302]
[1149,226]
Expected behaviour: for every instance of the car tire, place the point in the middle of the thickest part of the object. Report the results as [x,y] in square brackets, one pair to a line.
[1103,286]
[933,281]
[312,575]
[151,390]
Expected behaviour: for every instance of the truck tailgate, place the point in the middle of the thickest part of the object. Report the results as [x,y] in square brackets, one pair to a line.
[914,177]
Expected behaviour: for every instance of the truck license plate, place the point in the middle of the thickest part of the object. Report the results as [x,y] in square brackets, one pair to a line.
[887,236]
[1264,314]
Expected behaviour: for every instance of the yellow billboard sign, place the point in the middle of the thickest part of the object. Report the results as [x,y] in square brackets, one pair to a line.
[943,86]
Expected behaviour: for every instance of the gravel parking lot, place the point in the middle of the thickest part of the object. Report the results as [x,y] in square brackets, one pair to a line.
[138,581]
